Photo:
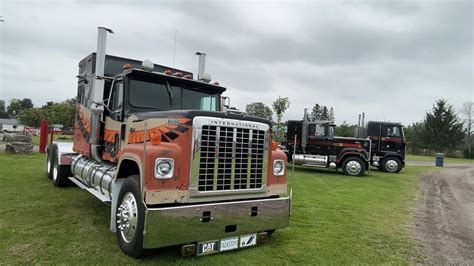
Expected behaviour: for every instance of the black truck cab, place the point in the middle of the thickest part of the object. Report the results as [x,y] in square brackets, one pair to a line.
[388,145]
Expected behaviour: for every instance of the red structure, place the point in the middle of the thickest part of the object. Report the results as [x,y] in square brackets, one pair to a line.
[43,136]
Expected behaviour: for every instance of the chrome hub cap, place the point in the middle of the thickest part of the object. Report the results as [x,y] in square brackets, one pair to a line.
[127,218]
[353,167]
[391,165]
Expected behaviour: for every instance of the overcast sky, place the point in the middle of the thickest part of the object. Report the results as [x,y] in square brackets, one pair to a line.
[389,59]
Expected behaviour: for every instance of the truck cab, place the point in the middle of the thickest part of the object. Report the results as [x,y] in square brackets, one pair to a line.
[314,144]
[388,145]
[176,166]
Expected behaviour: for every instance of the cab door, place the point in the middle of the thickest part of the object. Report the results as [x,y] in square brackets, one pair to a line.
[319,140]
[392,139]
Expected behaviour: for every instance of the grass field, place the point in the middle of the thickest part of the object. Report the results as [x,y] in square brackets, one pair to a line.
[335,220]
[56,137]
[410,157]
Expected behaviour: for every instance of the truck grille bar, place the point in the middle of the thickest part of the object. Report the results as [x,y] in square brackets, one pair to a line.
[230,158]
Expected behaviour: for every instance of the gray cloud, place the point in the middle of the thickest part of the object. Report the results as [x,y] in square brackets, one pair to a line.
[390,59]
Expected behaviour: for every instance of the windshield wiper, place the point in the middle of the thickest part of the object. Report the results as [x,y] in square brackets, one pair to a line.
[170,93]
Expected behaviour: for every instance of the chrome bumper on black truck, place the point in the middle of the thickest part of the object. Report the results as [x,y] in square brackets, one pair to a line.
[203,222]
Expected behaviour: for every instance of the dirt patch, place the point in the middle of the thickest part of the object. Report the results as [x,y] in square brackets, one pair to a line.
[444,217]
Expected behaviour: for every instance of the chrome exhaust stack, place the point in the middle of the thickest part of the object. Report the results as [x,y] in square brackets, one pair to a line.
[97,106]
[202,75]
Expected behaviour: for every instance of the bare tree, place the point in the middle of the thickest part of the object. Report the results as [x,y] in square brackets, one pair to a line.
[467,111]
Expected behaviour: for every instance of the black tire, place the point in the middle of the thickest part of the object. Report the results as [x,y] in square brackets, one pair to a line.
[391,165]
[353,166]
[48,164]
[130,239]
[59,173]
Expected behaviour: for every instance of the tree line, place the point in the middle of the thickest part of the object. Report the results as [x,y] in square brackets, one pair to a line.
[61,113]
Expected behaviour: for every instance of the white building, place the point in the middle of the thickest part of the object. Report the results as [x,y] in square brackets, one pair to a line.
[10,125]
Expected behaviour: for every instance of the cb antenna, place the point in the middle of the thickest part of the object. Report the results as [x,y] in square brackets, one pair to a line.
[174,46]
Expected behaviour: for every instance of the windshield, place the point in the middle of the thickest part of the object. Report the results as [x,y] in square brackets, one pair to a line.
[160,95]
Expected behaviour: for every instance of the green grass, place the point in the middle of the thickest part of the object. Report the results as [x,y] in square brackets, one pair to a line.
[56,137]
[335,220]
[422,158]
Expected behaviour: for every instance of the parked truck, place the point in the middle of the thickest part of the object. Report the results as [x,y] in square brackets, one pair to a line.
[175,165]
[388,145]
[314,144]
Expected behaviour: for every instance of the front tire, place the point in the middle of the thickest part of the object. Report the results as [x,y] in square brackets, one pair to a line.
[353,166]
[130,218]
[391,165]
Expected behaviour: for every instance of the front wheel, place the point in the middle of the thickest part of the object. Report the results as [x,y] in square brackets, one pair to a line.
[353,166]
[130,218]
[391,165]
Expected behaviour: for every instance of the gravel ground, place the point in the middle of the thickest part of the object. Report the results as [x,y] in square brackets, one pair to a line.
[444,217]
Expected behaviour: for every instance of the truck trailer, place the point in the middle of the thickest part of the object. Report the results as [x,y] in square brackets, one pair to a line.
[175,164]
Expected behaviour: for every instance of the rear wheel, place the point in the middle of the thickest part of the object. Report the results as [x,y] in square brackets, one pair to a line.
[130,218]
[391,165]
[353,166]
[59,173]
[48,165]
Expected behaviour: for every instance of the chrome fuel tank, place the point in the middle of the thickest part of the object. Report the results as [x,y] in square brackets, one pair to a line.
[97,176]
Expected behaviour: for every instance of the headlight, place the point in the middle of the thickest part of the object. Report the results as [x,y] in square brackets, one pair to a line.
[164,168]
[278,167]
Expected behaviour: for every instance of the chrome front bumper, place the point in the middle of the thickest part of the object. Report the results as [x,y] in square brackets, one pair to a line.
[195,223]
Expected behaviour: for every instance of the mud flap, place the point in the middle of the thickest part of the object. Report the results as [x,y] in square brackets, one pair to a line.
[116,185]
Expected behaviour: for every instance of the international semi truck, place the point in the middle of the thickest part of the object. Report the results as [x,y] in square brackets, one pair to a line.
[175,164]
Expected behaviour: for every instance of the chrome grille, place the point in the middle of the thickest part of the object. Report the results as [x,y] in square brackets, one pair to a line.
[231,158]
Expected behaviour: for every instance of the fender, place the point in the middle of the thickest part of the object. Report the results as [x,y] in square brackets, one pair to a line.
[65,152]
[359,152]
[392,154]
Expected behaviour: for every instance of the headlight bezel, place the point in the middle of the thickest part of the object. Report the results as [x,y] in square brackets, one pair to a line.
[160,161]
[282,171]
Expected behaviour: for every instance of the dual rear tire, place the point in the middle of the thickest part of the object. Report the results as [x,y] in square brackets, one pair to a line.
[57,173]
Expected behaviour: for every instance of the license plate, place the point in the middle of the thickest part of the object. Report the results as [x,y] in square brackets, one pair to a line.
[248,240]
[211,247]
[229,244]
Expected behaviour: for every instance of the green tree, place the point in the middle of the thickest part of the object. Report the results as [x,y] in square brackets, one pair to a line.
[325,113]
[316,112]
[259,109]
[345,130]
[3,113]
[56,113]
[280,105]
[16,106]
[414,137]
[442,129]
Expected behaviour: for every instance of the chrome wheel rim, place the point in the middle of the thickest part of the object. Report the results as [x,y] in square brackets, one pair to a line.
[353,167]
[391,165]
[127,218]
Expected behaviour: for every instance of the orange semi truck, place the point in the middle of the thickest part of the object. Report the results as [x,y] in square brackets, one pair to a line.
[176,165]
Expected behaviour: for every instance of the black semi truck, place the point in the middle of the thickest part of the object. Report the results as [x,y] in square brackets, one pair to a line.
[380,144]
[388,145]
[314,144]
